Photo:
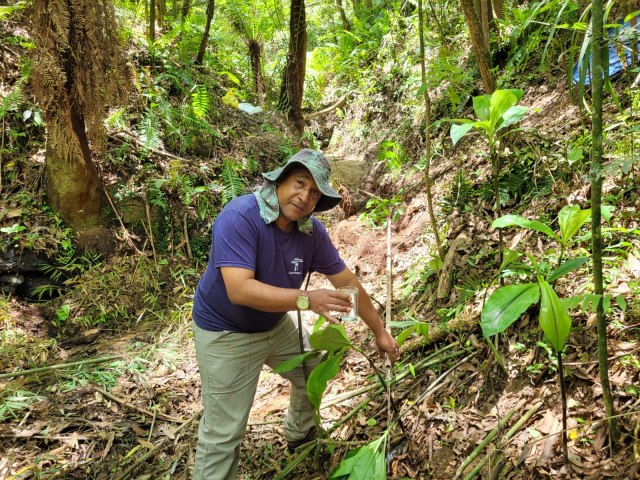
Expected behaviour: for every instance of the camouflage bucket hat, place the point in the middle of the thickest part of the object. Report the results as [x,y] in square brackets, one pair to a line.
[319,167]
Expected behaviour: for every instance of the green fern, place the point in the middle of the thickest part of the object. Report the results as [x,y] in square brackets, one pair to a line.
[11,102]
[200,101]
[233,184]
[150,130]
[117,121]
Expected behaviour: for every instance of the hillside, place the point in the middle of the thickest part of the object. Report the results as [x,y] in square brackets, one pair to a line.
[133,412]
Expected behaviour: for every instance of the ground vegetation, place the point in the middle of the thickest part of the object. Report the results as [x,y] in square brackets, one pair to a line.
[98,377]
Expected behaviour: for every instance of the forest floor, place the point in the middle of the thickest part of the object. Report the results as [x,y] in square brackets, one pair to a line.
[144,424]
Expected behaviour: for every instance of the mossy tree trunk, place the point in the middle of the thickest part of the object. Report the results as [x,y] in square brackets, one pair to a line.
[78,73]
[343,16]
[600,56]
[478,44]
[211,6]
[255,58]
[292,89]
[186,6]
[152,21]
[73,186]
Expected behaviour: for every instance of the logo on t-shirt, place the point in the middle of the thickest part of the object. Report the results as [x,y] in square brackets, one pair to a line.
[297,267]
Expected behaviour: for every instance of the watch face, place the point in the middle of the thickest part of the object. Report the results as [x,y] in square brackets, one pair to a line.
[302,302]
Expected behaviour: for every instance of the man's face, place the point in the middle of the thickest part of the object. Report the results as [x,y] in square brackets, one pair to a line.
[298,195]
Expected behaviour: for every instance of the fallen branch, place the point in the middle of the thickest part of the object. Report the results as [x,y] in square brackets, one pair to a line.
[126,475]
[341,101]
[126,136]
[130,405]
[59,366]
[484,443]
[512,431]
[438,382]
[421,365]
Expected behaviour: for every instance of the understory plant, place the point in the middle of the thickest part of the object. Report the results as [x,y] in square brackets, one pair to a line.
[368,461]
[508,303]
[495,113]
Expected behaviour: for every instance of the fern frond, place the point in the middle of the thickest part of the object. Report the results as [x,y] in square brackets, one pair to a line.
[200,101]
[116,121]
[150,130]
[233,184]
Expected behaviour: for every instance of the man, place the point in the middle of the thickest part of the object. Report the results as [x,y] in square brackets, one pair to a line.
[263,246]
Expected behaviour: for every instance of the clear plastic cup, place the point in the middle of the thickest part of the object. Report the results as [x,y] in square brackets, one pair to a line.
[352,314]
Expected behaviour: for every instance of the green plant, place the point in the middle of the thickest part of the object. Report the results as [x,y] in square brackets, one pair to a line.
[394,156]
[14,401]
[408,327]
[495,112]
[378,210]
[368,461]
[508,303]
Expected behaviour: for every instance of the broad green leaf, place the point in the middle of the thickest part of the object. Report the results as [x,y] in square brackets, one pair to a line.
[320,376]
[567,267]
[622,303]
[508,257]
[606,211]
[505,307]
[332,338]
[459,131]
[571,218]
[404,334]
[293,362]
[512,116]
[517,92]
[364,463]
[574,155]
[569,303]
[501,101]
[482,106]
[554,319]
[511,220]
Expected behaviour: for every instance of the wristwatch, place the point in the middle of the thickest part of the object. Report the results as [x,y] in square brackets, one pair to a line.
[302,302]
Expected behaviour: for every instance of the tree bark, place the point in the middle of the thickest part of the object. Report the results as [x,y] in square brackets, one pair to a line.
[162,11]
[73,186]
[152,21]
[498,8]
[211,6]
[427,132]
[343,16]
[292,90]
[255,57]
[479,47]
[186,6]
[600,60]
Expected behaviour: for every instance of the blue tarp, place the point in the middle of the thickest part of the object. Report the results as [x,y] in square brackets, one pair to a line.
[615,64]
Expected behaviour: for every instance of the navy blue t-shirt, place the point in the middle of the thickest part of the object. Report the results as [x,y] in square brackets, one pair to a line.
[241,238]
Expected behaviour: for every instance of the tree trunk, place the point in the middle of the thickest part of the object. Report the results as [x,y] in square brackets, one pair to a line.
[186,6]
[255,57]
[600,60]
[498,8]
[343,16]
[292,89]
[486,15]
[162,11]
[152,21]
[211,6]
[73,186]
[427,131]
[479,46]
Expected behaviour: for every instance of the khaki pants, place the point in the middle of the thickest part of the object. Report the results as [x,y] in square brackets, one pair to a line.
[230,365]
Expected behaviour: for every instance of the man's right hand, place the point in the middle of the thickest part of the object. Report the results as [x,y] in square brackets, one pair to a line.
[326,301]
